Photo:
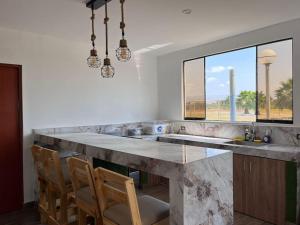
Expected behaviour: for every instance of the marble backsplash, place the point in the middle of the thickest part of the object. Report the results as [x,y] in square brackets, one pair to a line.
[124,129]
[283,135]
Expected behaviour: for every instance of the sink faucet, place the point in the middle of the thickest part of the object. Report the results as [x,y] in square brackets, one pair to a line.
[250,133]
[253,132]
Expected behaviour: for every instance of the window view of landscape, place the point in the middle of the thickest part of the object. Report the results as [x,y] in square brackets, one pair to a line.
[237,85]
[231,86]
[194,89]
[275,85]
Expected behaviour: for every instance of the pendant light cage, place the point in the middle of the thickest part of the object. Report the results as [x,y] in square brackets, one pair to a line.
[93,60]
[107,71]
[123,53]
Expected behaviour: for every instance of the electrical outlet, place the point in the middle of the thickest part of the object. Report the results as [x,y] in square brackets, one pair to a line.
[298,136]
[182,128]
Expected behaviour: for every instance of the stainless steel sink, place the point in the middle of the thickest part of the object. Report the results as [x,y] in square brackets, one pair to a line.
[245,143]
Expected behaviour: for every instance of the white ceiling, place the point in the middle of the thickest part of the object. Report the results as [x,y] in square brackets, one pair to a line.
[155,23]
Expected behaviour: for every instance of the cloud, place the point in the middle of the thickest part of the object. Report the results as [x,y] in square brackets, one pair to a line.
[221,85]
[216,69]
[211,79]
[219,69]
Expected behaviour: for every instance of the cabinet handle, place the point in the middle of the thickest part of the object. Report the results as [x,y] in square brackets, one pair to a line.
[244,165]
[250,167]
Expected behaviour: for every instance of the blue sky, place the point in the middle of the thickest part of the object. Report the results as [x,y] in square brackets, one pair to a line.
[217,73]
[244,64]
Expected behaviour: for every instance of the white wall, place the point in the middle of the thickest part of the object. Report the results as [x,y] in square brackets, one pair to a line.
[60,90]
[170,65]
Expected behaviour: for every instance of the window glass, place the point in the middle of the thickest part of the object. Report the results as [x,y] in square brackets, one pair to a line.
[231,86]
[251,84]
[194,89]
[275,84]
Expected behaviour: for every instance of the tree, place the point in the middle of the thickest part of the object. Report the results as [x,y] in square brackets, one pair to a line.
[225,104]
[284,95]
[261,100]
[246,100]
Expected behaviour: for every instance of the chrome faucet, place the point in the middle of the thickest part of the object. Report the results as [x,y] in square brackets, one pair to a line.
[250,133]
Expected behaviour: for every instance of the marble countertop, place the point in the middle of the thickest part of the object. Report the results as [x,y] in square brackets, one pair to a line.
[175,153]
[272,151]
[200,178]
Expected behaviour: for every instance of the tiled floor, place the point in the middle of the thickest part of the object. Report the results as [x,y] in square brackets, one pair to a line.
[30,216]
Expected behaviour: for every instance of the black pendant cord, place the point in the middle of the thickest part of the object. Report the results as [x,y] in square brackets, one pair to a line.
[93,36]
[122,24]
[106,28]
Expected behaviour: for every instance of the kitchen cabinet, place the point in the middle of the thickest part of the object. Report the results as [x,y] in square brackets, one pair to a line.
[259,188]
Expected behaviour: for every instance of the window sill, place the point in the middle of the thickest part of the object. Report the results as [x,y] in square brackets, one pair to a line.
[258,123]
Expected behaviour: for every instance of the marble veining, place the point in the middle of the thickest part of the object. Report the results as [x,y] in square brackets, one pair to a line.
[111,129]
[201,190]
[285,146]
[204,182]
[272,151]
[157,150]
[281,134]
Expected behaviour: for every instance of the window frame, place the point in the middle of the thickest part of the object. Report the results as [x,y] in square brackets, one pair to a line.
[204,89]
[256,111]
[275,121]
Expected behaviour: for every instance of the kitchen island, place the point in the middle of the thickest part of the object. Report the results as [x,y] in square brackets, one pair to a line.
[201,179]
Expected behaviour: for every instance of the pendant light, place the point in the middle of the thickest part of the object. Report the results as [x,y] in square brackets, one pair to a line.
[123,53]
[107,71]
[93,60]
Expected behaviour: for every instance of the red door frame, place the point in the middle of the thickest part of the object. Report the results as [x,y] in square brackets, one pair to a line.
[20,103]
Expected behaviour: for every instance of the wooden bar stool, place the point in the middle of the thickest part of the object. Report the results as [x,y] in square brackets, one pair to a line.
[82,177]
[39,162]
[120,206]
[59,189]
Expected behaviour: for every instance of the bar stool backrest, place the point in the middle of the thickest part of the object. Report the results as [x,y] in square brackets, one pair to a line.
[39,162]
[114,188]
[81,174]
[53,169]
[82,177]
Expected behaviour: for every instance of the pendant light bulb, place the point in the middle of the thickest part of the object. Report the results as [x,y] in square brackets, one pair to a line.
[107,71]
[93,60]
[123,53]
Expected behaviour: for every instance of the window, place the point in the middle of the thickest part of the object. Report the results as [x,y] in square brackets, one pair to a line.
[194,89]
[231,86]
[274,82]
[250,84]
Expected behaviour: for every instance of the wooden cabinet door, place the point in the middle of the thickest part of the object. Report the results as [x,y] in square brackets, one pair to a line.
[266,196]
[239,183]
[259,188]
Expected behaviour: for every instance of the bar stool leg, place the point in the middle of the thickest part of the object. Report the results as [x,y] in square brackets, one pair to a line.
[52,204]
[82,217]
[64,209]
[43,203]
[99,221]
